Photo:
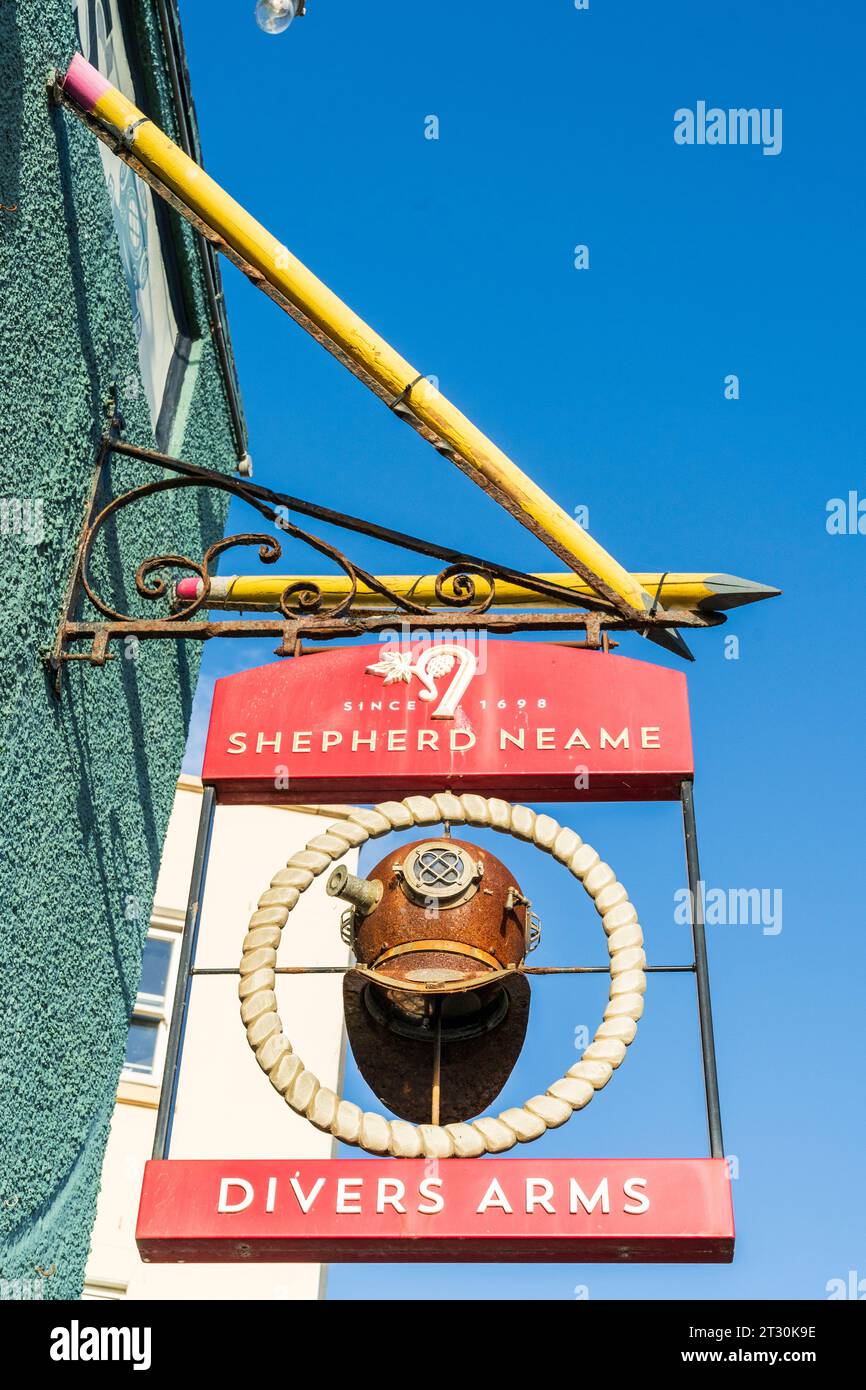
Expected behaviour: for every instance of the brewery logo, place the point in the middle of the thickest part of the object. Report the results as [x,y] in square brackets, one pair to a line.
[433,664]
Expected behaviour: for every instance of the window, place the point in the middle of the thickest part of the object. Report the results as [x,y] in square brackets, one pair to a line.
[148,1027]
[106,31]
[141,1045]
[154,972]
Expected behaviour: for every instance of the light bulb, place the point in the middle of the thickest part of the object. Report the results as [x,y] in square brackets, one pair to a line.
[273,16]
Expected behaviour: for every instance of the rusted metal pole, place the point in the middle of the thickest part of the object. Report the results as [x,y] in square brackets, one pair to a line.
[702,973]
[185,971]
[437,1064]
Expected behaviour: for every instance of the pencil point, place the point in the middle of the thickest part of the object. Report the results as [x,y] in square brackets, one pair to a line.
[730,591]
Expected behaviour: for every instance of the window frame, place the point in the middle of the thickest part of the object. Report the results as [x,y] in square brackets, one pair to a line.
[147,1010]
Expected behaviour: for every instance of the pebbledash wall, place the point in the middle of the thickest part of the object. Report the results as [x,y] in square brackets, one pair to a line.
[86,781]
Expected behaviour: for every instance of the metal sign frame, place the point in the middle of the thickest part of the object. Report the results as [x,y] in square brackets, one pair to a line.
[480,1243]
[187,971]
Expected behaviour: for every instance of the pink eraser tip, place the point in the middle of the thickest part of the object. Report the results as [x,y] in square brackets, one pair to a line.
[84,84]
[188,588]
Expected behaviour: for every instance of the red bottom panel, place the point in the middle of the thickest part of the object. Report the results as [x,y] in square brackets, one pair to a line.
[662,1210]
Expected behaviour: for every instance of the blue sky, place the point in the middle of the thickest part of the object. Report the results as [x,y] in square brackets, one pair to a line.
[607,385]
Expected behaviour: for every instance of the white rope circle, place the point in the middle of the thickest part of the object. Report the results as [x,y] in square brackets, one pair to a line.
[373,1132]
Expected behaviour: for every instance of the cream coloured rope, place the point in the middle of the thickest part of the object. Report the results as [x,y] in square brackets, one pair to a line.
[371,1131]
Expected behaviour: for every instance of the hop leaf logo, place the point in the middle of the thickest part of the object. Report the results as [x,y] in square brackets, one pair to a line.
[394,666]
[431,666]
[440,665]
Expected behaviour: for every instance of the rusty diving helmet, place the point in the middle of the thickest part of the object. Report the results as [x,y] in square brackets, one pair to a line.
[437,1010]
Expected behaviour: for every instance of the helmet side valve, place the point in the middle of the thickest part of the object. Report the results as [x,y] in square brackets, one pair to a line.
[364,894]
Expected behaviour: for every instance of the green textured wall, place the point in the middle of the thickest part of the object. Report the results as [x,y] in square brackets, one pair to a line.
[86,783]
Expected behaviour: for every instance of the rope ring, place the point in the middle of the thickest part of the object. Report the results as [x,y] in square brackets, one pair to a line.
[373,1132]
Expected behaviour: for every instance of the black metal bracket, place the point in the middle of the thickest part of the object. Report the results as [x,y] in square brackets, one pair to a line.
[465,589]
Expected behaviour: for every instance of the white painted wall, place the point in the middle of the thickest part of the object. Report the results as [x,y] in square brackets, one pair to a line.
[225,1106]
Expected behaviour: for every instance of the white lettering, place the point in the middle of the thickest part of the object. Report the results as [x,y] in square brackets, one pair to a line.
[640,1202]
[494,1197]
[305,1202]
[538,1194]
[262,742]
[435,1202]
[77,1343]
[517,739]
[246,1187]
[345,1196]
[577,1195]
[461,733]
[60,1340]
[392,1198]
[608,741]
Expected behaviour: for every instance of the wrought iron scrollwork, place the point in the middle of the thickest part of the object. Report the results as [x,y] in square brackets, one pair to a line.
[470,585]
[156,588]
[464,588]
[270,551]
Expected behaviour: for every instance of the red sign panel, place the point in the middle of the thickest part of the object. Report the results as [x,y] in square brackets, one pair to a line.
[520,720]
[656,1210]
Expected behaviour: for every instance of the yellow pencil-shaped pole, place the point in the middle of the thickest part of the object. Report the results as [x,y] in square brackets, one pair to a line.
[392,373]
[692,592]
